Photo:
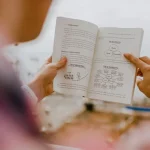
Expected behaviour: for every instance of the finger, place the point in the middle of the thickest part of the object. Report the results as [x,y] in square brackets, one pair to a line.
[136,61]
[61,63]
[49,60]
[52,71]
[138,80]
[145,59]
[140,84]
[49,89]
[139,73]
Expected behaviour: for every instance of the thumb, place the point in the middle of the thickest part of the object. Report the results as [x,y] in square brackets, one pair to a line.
[60,64]
[49,60]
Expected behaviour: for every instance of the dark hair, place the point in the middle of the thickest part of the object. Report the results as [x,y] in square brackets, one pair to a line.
[13,100]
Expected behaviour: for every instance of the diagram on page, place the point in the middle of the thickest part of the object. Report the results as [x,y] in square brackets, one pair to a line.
[113,52]
[76,72]
[108,79]
[77,65]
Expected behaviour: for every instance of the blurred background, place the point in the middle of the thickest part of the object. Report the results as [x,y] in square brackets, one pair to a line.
[116,13]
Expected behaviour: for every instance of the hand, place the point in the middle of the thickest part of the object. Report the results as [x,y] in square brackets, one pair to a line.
[42,85]
[143,66]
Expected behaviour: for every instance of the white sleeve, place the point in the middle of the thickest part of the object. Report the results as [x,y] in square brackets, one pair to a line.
[30,94]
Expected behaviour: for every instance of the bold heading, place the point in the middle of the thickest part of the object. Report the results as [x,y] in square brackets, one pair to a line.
[110,67]
[115,42]
[73,25]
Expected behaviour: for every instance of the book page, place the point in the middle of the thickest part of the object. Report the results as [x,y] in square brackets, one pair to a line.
[113,77]
[76,40]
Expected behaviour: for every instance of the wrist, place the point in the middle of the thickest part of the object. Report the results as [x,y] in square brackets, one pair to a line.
[35,86]
[30,94]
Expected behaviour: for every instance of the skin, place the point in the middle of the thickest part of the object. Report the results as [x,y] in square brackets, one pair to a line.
[143,66]
[23,19]
[42,84]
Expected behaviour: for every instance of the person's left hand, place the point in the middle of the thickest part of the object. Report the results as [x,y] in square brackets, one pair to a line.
[42,85]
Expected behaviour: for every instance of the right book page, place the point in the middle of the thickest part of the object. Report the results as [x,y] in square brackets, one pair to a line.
[113,77]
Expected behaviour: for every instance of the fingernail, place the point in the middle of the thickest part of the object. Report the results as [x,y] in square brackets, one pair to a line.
[126,54]
[63,58]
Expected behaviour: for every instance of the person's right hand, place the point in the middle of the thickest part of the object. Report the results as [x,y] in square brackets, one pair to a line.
[143,66]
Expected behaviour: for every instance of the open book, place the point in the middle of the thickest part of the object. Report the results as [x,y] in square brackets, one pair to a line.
[96,66]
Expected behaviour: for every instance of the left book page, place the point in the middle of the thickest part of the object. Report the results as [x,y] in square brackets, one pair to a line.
[75,39]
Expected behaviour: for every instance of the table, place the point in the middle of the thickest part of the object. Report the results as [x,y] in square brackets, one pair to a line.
[97,128]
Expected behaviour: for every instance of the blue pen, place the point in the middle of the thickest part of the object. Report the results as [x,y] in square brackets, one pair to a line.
[143,109]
